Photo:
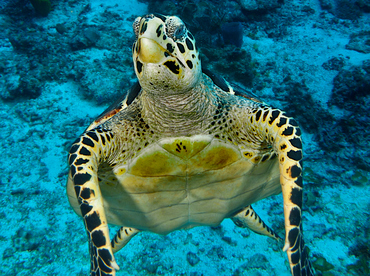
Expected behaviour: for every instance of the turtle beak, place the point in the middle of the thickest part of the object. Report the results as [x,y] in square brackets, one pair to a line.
[149,51]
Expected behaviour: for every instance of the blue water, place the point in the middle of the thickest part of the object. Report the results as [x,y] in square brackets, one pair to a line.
[59,71]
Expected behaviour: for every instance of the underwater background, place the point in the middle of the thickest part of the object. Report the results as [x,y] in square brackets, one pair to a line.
[63,62]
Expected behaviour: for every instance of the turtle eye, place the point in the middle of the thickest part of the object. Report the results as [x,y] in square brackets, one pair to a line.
[136,26]
[179,33]
[175,28]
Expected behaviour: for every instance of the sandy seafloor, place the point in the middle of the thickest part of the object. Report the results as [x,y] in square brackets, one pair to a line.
[41,235]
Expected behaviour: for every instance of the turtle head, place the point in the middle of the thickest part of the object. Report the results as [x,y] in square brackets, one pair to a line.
[164,54]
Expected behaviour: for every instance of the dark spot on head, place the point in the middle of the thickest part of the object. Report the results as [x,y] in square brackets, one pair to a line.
[143,27]
[170,48]
[189,44]
[190,64]
[158,31]
[172,65]
[181,47]
[139,66]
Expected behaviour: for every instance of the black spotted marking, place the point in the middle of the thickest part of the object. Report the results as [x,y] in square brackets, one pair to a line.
[77,190]
[297,245]
[265,115]
[85,151]
[72,158]
[295,257]
[81,161]
[172,65]
[164,37]
[283,147]
[87,141]
[93,136]
[92,221]
[102,139]
[265,157]
[139,66]
[106,257]
[181,47]
[297,271]
[298,131]
[295,155]
[170,48]
[295,216]
[81,178]
[165,55]
[299,181]
[73,170]
[98,238]
[296,196]
[274,115]
[86,193]
[189,44]
[74,148]
[295,171]
[247,213]
[282,122]
[158,31]
[258,115]
[108,137]
[293,235]
[288,131]
[160,16]
[190,35]
[293,122]
[190,64]
[144,27]
[296,142]
[85,208]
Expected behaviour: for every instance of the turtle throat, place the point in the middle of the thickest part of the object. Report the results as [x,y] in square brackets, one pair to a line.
[180,114]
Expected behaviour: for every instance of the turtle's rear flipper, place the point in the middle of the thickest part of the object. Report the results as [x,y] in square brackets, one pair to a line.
[248,218]
[122,237]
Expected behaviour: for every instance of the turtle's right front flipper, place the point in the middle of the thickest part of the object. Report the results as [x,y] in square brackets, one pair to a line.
[84,157]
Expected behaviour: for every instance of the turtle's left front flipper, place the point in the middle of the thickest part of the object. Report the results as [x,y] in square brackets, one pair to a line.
[84,157]
[284,135]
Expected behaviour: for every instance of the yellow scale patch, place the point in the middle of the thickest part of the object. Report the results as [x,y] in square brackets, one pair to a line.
[184,156]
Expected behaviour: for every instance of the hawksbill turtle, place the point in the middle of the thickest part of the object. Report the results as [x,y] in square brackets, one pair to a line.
[183,148]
